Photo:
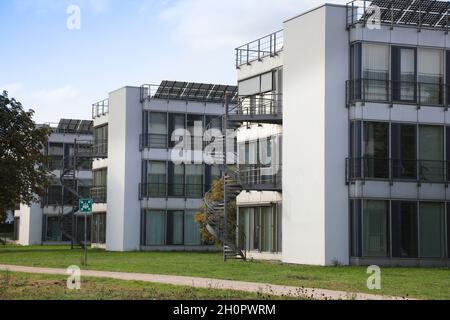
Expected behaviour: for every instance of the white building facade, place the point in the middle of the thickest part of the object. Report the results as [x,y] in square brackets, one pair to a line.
[364,123]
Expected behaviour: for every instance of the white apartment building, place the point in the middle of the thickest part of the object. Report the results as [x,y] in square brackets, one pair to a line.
[144,200]
[359,95]
[51,220]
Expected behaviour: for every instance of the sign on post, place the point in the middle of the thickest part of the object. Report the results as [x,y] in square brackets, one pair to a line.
[86,208]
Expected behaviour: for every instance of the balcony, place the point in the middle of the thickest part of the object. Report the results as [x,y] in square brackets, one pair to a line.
[420,171]
[417,13]
[100,149]
[170,190]
[261,178]
[100,109]
[397,92]
[266,108]
[99,194]
[268,46]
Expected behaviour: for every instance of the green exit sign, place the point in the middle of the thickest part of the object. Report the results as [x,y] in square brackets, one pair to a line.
[86,205]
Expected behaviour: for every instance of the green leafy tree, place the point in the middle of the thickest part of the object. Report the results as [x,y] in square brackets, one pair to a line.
[23,173]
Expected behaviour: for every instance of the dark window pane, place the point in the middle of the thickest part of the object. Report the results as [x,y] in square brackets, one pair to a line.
[404,229]
[404,158]
[355,228]
[376,149]
[375,228]
[175,222]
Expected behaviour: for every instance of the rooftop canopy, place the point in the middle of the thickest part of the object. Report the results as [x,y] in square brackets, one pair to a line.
[419,13]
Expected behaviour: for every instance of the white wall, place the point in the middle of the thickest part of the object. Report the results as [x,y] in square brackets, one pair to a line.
[315,138]
[30,225]
[124,170]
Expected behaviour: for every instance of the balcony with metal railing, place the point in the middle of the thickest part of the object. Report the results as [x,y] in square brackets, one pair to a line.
[267,108]
[261,177]
[100,108]
[170,190]
[257,50]
[397,92]
[419,171]
[99,194]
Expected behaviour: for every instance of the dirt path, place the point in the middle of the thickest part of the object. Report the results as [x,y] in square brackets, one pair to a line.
[278,290]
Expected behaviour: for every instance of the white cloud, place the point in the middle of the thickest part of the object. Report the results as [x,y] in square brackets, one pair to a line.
[210,25]
[13,89]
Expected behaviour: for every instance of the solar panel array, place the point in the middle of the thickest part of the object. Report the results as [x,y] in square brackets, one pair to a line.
[427,13]
[75,126]
[191,91]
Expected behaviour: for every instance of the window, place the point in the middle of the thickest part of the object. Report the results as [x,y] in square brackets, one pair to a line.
[404,154]
[80,221]
[404,74]
[176,122]
[376,150]
[404,229]
[431,74]
[191,229]
[212,173]
[155,228]
[431,153]
[54,195]
[375,71]
[56,155]
[157,129]
[195,128]
[99,228]
[52,231]
[101,140]
[374,231]
[176,180]
[175,221]
[194,181]
[268,234]
[156,179]
[355,228]
[431,230]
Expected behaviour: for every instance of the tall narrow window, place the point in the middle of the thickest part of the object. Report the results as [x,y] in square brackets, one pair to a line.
[375,72]
[356,161]
[244,229]
[355,72]
[376,150]
[268,223]
[431,231]
[176,180]
[156,179]
[176,122]
[175,221]
[195,128]
[191,229]
[404,74]
[404,146]
[355,228]
[431,74]
[375,235]
[157,130]
[155,227]
[431,153]
[404,229]
[194,181]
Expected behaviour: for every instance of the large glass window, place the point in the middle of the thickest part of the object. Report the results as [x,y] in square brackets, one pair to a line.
[157,129]
[404,229]
[376,149]
[194,181]
[155,227]
[101,140]
[176,180]
[431,153]
[375,71]
[175,221]
[191,229]
[177,121]
[404,146]
[55,155]
[431,229]
[268,234]
[156,179]
[431,74]
[195,128]
[375,228]
[404,74]
[99,228]
[53,230]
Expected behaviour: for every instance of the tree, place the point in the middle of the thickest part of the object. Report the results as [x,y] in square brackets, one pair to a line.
[23,174]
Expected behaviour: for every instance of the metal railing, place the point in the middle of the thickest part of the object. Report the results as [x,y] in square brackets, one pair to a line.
[100,148]
[268,104]
[426,14]
[99,194]
[267,46]
[100,108]
[265,176]
[164,190]
[153,140]
[426,171]
[401,92]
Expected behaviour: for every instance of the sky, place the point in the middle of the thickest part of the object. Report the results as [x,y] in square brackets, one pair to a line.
[58,60]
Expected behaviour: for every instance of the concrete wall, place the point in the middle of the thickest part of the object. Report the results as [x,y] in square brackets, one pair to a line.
[124,170]
[315,213]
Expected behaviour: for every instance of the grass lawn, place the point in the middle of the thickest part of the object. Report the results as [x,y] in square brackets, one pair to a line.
[20,286]
[433,283]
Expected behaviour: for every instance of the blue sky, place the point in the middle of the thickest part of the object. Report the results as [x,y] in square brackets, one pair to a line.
[60,72]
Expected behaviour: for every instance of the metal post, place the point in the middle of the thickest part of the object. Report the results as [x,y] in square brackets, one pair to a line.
[225,215]
[85,239]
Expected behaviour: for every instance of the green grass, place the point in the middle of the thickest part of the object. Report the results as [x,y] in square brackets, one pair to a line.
[20,286]
[427,283]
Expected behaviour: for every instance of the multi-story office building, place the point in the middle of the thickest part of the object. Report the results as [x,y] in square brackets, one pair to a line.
[148,191]
[360,95]
[51,220]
